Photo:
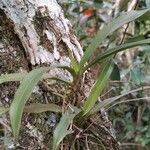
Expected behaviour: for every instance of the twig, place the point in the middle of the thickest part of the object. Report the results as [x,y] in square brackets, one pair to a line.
[130,100]
[131,144]
[87,146]
[116,81]
[127,26]
[106,93]
[125,31]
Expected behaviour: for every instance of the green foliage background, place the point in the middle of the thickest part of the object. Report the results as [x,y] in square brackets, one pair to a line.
[131,120]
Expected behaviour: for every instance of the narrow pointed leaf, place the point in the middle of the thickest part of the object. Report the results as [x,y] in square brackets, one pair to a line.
[108,29]
[20,76]
[39,108]
[117,49]
[21,96]
[111,100]
[59,79]
[74,64]
[35,108]
[12,77]
[98,87]
[62,130]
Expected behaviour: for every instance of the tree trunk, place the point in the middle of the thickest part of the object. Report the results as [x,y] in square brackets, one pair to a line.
[32,34]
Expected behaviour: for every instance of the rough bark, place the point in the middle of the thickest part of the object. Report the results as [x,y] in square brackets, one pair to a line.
[35,33]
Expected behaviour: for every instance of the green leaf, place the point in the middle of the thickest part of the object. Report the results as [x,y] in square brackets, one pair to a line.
[108,29]
[144,17]
[39,108]
[115,50]
[22,95]
[59,79]
[62,130]
[109,101]
[20,76]
[135,38]
[74,63]
[98,87]
[12,77]
[3,110]
[35,108]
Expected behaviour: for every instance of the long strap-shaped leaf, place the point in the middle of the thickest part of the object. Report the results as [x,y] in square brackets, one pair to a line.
[98,87]
[62,130]
[12,77]
[22,95]
[39,108]
[20,76]
[109,101]
[35,108]
[108,29]
[115,50]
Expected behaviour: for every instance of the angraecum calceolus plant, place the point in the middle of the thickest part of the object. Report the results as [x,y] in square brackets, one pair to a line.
[49,61]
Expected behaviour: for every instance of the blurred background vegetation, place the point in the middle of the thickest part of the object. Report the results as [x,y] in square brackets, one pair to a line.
[131,119]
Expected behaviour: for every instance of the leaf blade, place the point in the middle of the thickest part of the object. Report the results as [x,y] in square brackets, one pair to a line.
[39,108]
[98,87]
[21,96]
[109,101]
[62,128]
[12,77]
[108,29]
[117,49]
